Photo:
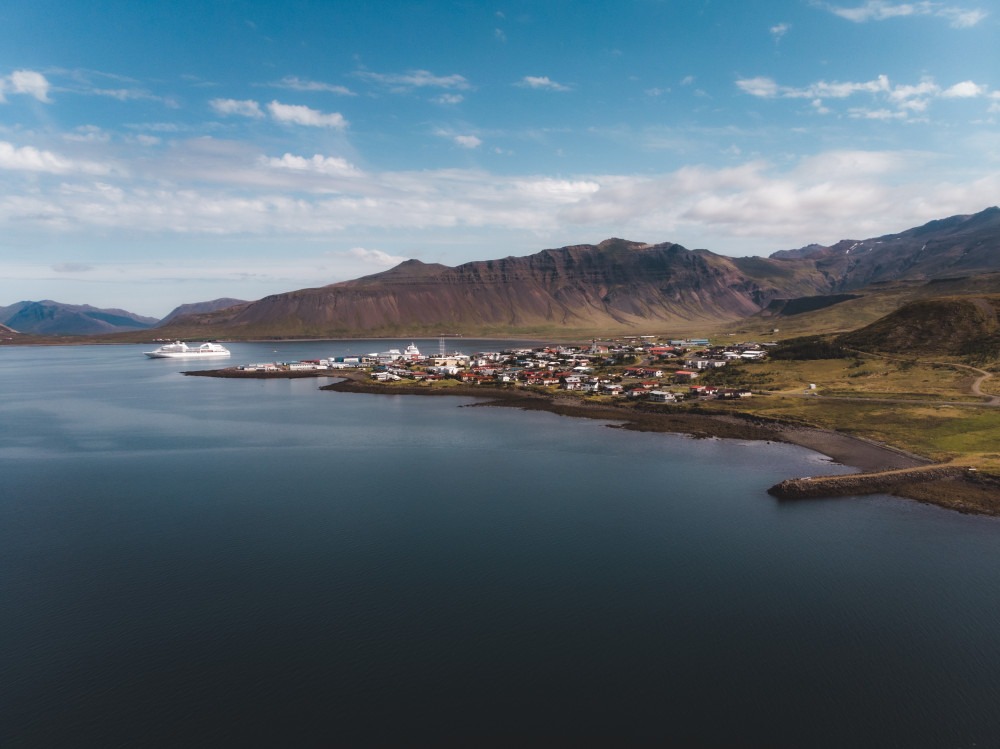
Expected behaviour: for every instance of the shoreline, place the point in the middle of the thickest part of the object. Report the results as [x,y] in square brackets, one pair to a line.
[883,469]
[858,453]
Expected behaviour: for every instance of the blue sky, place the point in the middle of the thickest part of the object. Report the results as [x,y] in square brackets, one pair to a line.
[153,155]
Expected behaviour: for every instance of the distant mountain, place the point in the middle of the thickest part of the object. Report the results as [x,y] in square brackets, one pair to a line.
[956,246]
[197,308]
[54,318]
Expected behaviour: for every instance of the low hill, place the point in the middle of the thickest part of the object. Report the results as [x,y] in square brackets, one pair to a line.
[9,333]
[54,318]
[954,325]
[836,313]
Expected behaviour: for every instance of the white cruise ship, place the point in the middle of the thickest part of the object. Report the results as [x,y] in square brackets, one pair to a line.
[180,350]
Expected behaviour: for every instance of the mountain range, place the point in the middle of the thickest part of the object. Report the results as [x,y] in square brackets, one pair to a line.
[612,286]
[616,285]
[54,318]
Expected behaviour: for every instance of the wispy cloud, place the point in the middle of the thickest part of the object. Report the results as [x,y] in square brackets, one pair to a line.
[330,165]
[376,257]
[301,115]
[133,94]
[449,99]
[879,10]
[31,159]
[541,82]
[72,268]
[244,108]
[402,82]
[779,31]
[298,84]
[906,98]
[206,187]
[768,88]
[467,141]
[25,82]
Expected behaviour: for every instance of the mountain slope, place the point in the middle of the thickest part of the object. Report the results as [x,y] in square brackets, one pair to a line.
[955,246]
[952,325]
[200,307]
[54,318]
[619,285]
[614,285]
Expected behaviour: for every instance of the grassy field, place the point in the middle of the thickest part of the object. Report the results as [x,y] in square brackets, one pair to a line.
[932,413]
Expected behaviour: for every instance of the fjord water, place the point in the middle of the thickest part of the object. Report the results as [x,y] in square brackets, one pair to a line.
[202,562]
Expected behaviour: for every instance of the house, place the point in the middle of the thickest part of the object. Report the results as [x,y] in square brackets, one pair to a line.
[662,396]
[683,375]
[643,372]
[446,370]
[702,390]
[734,393]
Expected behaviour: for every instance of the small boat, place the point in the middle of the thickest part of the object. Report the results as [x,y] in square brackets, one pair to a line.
[180,350]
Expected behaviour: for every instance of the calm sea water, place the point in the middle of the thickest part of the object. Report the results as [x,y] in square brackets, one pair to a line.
[199,562]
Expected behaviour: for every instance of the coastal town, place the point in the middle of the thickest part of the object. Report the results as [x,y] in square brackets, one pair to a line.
[643,367]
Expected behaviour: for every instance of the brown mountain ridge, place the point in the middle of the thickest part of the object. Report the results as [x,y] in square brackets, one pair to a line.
[615,285]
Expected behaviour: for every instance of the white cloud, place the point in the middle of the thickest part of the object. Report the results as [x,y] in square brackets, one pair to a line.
[376,257]
[906,98]
[879,10]
[962,19]
[301,115]
[25,82]
[964,90]
[768,88]
[31,159]
[400,82]
[875,114]
[205,188]
[329,165]
[779,31]
[687,80]
[245,108]
[467,141]
[541,82]
[297,84]
[765,88]
[449,99]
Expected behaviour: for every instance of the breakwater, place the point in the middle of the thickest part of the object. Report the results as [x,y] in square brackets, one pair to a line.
[883,482]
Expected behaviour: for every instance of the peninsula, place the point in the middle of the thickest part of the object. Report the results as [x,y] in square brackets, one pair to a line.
[739,391]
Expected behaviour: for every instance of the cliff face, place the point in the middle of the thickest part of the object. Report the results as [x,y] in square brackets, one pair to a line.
[616,284]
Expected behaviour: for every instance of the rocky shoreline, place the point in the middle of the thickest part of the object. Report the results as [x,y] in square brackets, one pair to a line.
[884,469]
